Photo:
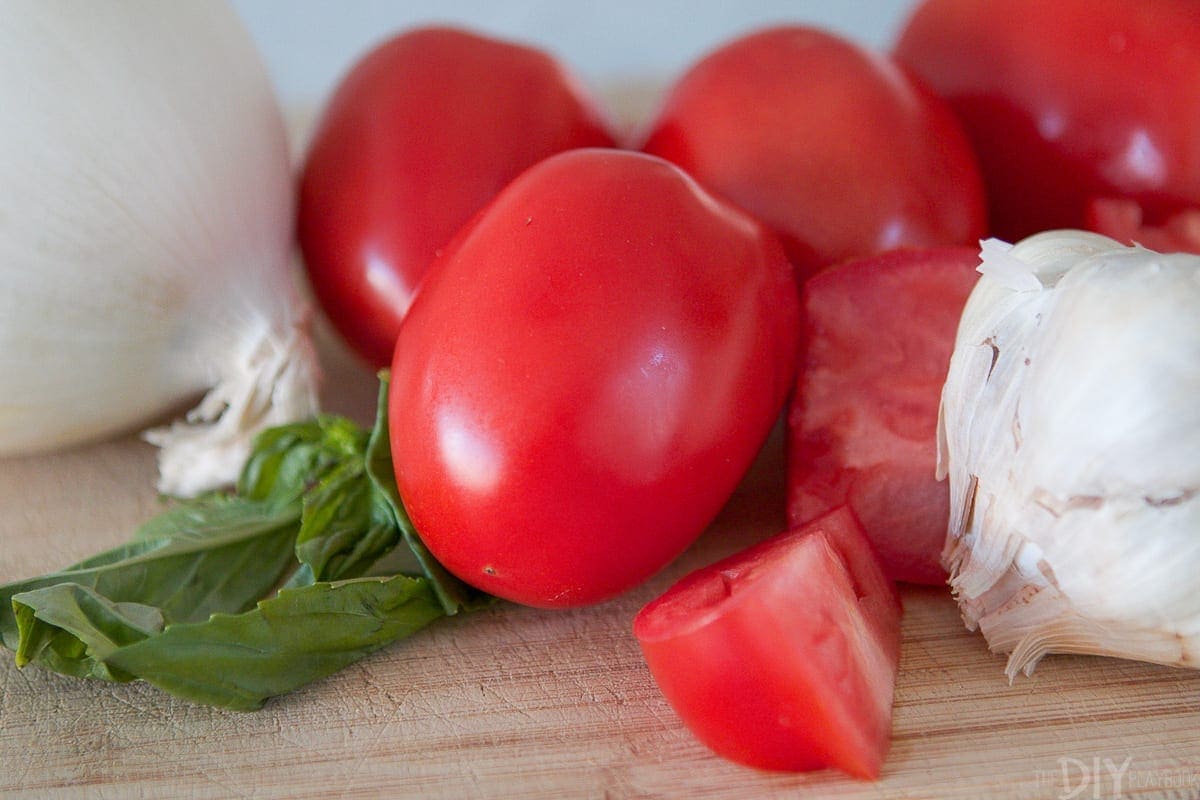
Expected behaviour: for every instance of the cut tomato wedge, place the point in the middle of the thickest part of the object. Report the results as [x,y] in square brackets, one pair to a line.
[783,656]
[863,422]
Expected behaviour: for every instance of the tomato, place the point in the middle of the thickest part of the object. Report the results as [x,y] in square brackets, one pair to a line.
[1069,101]
[1123,219]
[419,136]
[585,375]
[829,144]
[783,656]
[878,333]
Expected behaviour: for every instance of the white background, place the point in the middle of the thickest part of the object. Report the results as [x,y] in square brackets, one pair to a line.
[309,44]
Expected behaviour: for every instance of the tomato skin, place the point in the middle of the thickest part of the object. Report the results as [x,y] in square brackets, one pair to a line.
[1124,220]
[419,136]
[831,145]
[877,338]
[586,374]
[783,656]
[1069,101]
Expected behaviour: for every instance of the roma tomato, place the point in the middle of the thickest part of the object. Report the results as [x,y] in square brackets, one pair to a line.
[1070,102]
[877,338]
[586,374]
[1123,219]
[783,656]
[418,137]
[829,144]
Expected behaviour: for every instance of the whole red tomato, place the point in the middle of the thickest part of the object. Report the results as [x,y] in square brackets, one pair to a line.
[586,374]
[420,135]
[831,145]
[1071,103]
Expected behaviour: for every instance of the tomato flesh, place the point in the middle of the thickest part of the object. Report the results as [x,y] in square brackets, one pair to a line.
[419,136]
[877,339]
[586,374]
[783,656]
[831,145]
[1069,102]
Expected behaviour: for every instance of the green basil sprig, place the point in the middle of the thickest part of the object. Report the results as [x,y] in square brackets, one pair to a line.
[307,565]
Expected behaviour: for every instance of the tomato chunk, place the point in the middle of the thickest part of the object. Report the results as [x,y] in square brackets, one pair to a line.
[863,422]
[783,656]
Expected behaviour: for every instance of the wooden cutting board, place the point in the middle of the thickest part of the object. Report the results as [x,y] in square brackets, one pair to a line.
[522,703]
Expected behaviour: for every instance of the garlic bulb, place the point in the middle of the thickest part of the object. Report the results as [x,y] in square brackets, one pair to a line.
[1070,431]
[145,234]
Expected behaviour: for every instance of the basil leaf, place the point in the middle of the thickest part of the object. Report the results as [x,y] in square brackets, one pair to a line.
[345,526]
[222,554]
[452,593]
[288,458]
[237,661]
[298,636]
[72,629]
[193,602]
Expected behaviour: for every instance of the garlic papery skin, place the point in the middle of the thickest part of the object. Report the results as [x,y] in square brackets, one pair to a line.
[146,206]
[1070,432]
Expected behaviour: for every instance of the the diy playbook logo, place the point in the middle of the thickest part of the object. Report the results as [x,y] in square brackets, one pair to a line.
[1099,777]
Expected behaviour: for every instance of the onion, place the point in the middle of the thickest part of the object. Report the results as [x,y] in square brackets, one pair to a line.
[145,235]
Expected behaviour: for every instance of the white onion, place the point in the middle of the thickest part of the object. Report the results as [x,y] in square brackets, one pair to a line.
[1070,430]
[145,234]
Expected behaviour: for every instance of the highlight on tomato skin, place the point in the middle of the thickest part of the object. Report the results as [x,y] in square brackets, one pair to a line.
[783,656]
[1069,103]
[835,147]
[424,130]
[586,375]
[862,423]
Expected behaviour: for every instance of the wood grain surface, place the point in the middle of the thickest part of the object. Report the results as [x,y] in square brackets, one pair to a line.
[522,703]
